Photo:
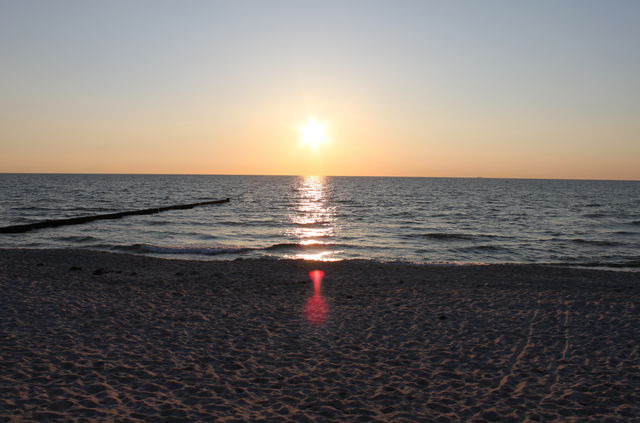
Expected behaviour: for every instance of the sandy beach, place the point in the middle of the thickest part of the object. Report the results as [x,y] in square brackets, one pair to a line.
[90,336]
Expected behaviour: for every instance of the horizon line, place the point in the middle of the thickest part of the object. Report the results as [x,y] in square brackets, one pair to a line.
[328,176]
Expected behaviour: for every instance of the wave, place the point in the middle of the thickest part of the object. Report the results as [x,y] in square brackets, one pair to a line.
[154,222]
[244,223]
[316,237]
[595,242]
[75,238]
[482,248]
[318,224]
[19,220]
[598,243]
[206,251]
[402,214]
[217,250]
[444,236]
[65,210]
[87,209]
[33,208]
[304,247]
[595,215]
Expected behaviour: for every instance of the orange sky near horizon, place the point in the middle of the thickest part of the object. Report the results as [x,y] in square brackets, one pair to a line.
[272,147]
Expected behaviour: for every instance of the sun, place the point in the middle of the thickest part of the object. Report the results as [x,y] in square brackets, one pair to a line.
[313,133]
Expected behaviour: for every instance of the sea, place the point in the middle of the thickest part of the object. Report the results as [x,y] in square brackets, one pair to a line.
[384,219]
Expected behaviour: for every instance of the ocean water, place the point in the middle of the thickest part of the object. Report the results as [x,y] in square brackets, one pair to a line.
[420,220]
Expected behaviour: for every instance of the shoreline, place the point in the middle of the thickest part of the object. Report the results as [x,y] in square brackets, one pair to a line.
[98,335]
[632,266]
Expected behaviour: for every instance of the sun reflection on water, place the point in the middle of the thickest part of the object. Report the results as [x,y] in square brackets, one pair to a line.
[313,220]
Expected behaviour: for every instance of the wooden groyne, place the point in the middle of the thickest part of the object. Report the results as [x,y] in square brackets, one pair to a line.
[53,223]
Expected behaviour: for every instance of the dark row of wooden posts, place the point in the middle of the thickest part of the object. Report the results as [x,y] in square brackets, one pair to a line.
[16,229]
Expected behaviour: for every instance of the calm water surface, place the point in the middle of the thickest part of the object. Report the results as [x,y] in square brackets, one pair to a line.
[425,220]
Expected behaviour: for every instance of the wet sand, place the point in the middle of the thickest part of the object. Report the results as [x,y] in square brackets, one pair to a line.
[89,336]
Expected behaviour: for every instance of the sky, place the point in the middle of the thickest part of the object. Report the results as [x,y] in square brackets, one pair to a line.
[523,89]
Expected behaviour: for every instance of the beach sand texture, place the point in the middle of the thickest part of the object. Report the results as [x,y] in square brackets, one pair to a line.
[90,336]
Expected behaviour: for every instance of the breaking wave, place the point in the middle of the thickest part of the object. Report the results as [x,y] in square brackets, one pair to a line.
[205,251]
[218,250]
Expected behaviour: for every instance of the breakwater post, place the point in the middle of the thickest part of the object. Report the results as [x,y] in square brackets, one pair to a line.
[52,223]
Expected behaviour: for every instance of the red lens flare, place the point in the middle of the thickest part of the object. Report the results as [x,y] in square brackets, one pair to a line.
[317,309]
[316,276]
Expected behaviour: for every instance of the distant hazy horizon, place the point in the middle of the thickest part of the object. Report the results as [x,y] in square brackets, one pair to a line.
[493,89]
[323,176]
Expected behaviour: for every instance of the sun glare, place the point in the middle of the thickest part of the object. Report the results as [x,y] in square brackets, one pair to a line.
[313,133]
